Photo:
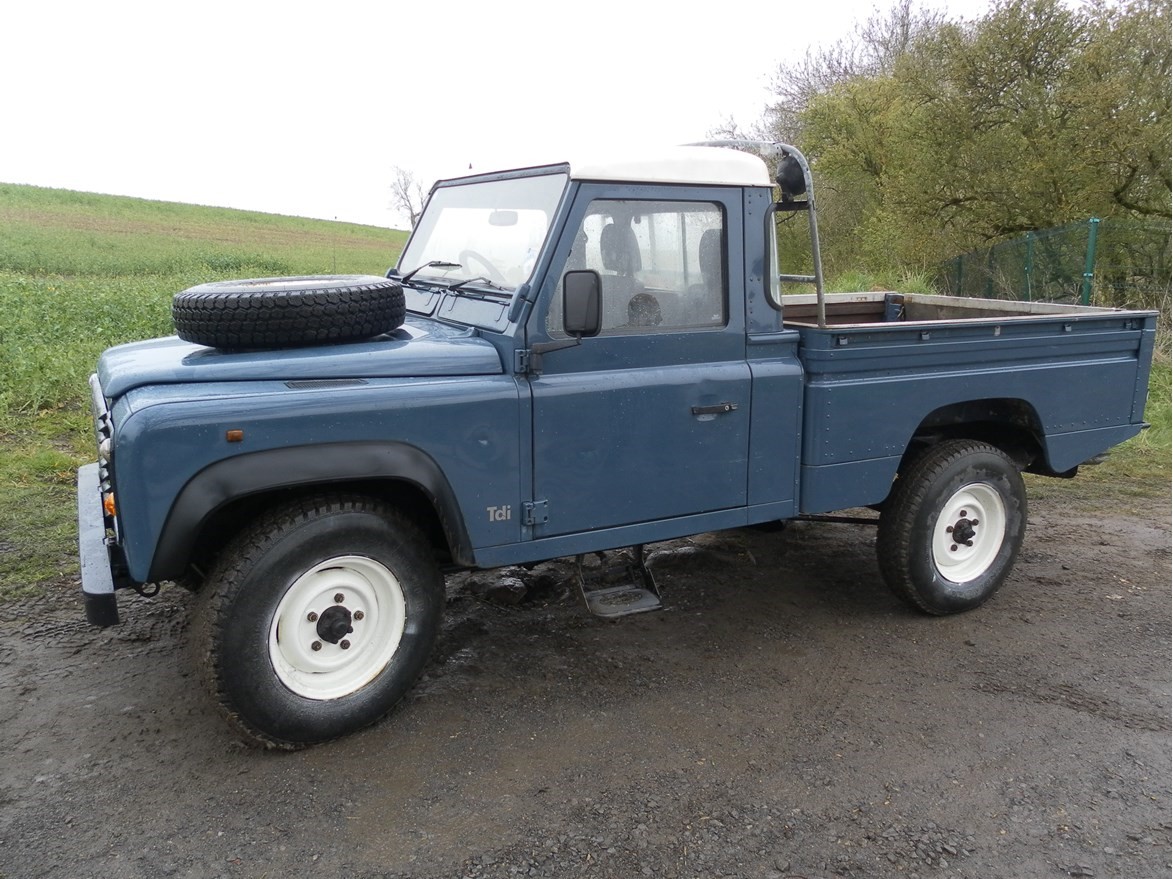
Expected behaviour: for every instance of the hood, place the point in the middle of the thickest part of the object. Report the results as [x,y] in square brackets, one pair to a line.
[418,348]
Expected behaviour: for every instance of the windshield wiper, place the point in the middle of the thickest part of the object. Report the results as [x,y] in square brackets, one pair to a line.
[434,264]
[481,282]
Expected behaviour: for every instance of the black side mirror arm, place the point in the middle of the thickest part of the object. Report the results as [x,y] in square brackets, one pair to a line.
[539,348]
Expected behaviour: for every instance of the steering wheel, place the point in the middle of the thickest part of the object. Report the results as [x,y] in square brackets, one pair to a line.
[491,271]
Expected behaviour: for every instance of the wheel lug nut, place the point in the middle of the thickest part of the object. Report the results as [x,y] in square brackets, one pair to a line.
[948,529]
[358,614]
[963,514]
[312,617]
[953,548]
[317,645]
[339,598]
[345,645]
[974,522]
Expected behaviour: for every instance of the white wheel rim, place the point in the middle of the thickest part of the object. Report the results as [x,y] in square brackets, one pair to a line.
[301,649]
[969,533]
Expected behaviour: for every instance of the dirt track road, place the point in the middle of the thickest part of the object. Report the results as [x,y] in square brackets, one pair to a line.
[784,716]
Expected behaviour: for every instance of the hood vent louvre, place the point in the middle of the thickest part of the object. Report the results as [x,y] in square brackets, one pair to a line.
[311,384]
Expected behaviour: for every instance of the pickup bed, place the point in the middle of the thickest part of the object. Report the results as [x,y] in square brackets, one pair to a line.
[1052,385]
[567,359]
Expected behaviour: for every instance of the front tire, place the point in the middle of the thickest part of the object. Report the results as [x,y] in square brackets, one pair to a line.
[316,621]
[952,527]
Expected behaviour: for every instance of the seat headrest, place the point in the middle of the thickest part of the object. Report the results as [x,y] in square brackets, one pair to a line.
[644,311]
[709,255]
[620,249]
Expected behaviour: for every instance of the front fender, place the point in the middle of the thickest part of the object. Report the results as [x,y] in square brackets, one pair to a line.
[226,481]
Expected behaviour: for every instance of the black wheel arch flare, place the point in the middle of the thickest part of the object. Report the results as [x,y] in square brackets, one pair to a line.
[298,467]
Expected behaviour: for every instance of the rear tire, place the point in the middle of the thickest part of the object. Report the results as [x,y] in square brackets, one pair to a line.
[952,527]
[316,622]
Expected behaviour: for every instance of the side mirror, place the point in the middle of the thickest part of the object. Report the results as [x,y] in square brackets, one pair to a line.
[582,303]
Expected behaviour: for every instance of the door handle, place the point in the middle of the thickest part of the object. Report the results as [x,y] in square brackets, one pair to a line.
[718,409]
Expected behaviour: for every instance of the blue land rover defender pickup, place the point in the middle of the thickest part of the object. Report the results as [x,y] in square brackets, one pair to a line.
[567,359]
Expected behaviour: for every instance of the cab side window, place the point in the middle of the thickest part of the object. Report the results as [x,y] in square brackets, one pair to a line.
[662,265]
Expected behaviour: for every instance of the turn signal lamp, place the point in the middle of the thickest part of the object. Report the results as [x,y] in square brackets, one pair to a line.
[108,504]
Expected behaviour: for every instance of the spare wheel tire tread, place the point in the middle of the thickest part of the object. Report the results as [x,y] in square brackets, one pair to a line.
[288,312]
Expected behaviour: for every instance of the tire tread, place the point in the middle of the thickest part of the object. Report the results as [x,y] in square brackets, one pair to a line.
[227,579]
[233,315]
[894,539]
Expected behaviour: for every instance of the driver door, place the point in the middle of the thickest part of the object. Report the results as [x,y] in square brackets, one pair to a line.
[649,420]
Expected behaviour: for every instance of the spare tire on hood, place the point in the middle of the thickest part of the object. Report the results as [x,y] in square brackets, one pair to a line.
[288,312]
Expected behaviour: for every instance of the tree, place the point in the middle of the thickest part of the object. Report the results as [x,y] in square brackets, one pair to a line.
[953,135]
[871,50]
[837,105]
[407,194]
[1041,115]
[1127,81]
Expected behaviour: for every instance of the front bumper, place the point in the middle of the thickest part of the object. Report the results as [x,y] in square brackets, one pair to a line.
[97,576]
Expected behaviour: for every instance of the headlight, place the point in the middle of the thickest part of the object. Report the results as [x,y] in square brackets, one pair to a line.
[103,427]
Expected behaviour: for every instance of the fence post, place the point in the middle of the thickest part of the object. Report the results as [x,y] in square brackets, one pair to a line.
[1089,263]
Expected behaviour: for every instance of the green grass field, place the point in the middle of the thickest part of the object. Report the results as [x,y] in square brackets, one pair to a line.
[81,272]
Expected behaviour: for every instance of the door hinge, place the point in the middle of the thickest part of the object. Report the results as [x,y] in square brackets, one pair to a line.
[521,361]
[536,512]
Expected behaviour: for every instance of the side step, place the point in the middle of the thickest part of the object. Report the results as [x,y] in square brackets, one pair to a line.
[619,586]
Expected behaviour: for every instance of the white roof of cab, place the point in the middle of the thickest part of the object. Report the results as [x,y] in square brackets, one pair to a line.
[679,164]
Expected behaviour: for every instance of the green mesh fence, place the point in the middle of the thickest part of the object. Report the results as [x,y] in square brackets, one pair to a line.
[1115,261]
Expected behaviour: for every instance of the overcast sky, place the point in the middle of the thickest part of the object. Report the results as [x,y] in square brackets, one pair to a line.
[305,108]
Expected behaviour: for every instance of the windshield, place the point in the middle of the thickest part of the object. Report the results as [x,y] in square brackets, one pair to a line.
[488,231]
